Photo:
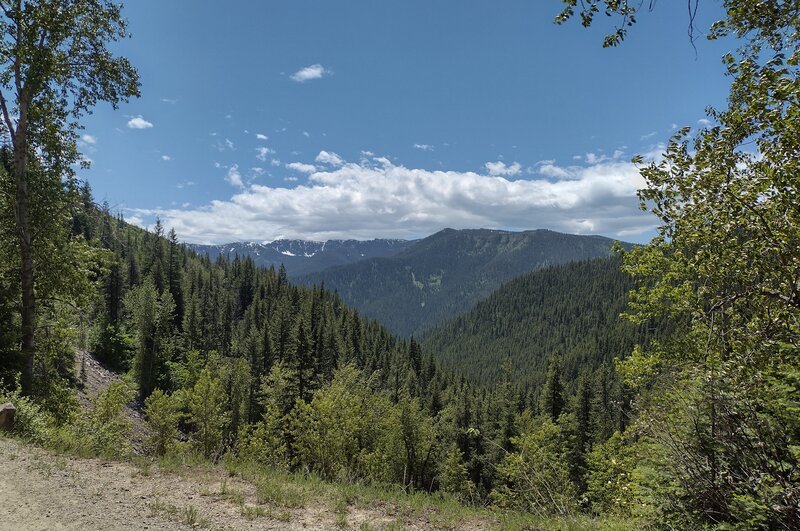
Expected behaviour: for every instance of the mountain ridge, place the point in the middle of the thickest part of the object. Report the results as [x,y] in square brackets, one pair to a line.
[302,257]
[448,272]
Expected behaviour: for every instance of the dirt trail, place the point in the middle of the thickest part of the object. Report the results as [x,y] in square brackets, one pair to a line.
[43,491]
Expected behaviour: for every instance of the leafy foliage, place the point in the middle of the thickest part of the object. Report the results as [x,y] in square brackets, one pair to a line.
[715,395]
[163,416]
[536,475]
[55,66]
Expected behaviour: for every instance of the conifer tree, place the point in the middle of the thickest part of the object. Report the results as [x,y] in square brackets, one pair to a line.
[552,398]
[175,275]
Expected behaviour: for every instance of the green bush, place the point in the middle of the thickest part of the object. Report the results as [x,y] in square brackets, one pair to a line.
[105,431]
[31,422]
[163,415]
[112,346]
[536,476]
[207,413]
[453,476]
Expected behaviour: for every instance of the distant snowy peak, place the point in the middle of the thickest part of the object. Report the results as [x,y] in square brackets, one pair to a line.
[304,256]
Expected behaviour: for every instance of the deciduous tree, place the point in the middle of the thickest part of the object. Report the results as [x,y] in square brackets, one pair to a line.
[55,65]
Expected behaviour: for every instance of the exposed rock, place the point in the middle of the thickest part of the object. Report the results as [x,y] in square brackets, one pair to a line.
[7,414]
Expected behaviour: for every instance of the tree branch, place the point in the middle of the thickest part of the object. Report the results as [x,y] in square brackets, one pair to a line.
[7,119]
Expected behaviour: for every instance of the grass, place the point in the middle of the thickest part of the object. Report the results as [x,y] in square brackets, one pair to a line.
[295,490]
[188,514]
[341,510]
[287,495]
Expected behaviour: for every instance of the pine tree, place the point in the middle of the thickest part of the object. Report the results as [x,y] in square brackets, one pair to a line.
[175,276]
[552,399]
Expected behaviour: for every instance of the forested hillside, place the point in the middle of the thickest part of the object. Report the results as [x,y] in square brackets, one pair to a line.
[569,312]
[229,358]
[448,272]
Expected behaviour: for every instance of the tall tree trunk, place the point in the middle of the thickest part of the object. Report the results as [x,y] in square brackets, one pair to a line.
[22,214]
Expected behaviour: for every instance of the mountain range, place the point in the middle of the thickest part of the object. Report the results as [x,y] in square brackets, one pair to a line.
[440,276]
[301,257]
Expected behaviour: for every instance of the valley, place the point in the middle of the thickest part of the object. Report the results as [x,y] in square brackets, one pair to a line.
[448,272]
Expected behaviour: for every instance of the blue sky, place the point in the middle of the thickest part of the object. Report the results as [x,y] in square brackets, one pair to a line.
[363,119]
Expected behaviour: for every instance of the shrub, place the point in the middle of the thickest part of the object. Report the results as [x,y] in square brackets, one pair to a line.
[31,422]
[207,413]
[536,475]
[163,416]
[111,345]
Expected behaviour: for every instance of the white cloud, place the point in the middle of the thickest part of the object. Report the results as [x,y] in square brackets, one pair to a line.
[275,162]
[376,198]
[223,145]
[423,147]
[89,139]
[548,169]
[234,177]
[705,122]
[651,134]
[331,158]
[135,220]
[500,168]
[310,72]
[169,100]
[302,168]
[262,152]
[594,158]
[306,134]
[261,136]
[138,122]
[166,157]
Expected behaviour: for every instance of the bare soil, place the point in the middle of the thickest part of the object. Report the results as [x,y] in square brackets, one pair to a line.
[43,491]
[93,379]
